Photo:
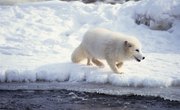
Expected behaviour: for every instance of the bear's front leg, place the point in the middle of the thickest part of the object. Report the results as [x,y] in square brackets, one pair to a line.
[112,65]
[97,62]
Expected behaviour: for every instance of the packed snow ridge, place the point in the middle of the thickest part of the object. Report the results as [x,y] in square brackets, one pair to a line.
[134,76]
[37,39]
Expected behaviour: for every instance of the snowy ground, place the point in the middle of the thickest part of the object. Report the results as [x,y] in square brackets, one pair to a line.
[37,39]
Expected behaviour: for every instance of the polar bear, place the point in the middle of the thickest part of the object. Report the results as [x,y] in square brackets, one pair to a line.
[114,47]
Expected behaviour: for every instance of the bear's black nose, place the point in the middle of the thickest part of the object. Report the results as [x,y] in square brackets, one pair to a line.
[143,58]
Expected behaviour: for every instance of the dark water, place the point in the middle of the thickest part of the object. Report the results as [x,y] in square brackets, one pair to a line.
[71,100]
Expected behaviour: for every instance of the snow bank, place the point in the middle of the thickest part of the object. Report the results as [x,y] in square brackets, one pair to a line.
[135,75]
[157,14]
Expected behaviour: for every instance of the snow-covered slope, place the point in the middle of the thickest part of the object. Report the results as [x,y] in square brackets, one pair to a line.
[158,15]
[37,39]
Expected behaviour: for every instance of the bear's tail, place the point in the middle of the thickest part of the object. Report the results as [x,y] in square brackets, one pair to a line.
[78,54]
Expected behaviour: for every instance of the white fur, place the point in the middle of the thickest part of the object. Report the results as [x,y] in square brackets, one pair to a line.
[104,44]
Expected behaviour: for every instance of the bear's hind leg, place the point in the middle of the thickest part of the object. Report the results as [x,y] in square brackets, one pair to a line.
[89,62]
[119,64]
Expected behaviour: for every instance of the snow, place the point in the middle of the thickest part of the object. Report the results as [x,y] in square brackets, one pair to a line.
[146,74]
[37,39]
[13,2]
[160,14]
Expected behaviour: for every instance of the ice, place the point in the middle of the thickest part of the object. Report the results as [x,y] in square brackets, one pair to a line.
[12,75]
[96,77]
[28,76]
[2,76]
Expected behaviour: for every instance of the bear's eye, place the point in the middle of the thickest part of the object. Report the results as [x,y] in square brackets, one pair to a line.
[137,50]
[129,45]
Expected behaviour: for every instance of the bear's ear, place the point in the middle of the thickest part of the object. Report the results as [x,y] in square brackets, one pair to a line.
[127,44]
